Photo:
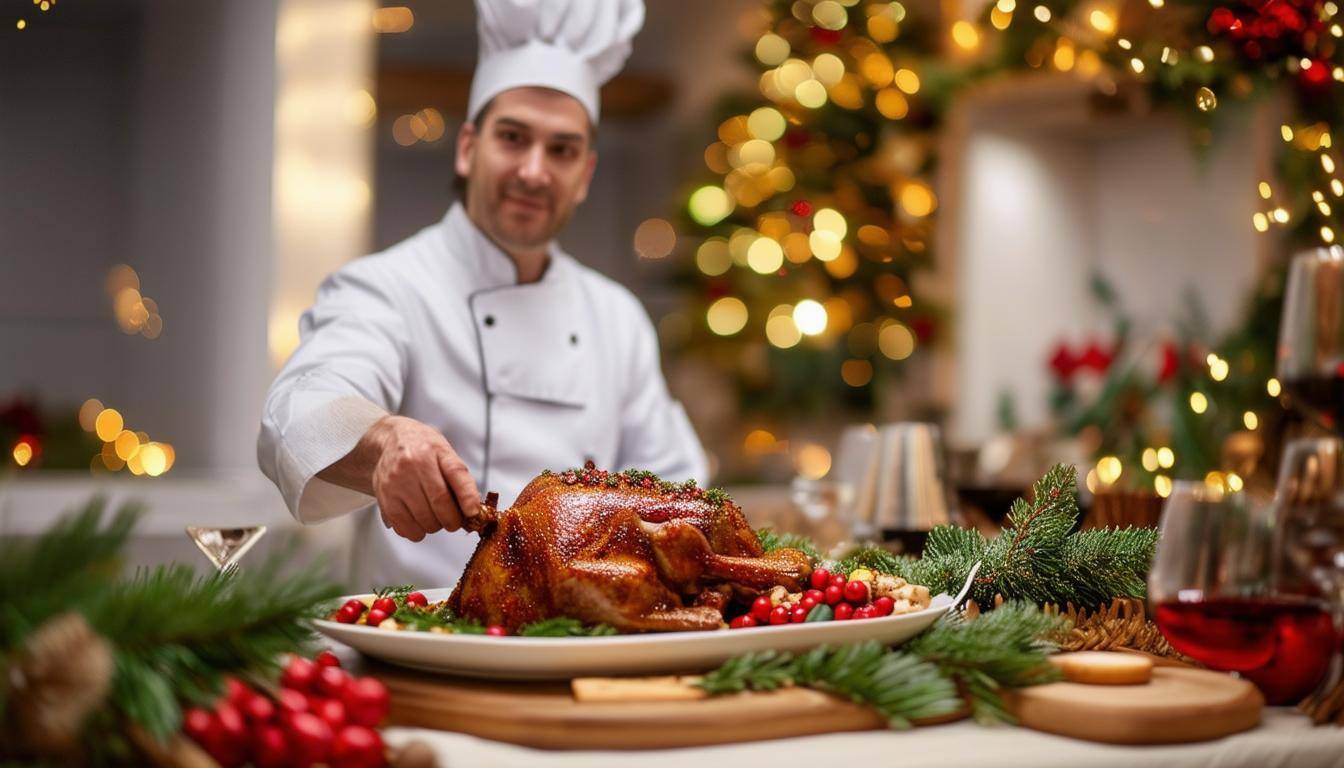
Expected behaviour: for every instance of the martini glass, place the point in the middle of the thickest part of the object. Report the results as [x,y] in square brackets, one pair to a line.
[224,547]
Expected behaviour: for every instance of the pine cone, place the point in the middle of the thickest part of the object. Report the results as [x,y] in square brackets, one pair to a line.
[60,677]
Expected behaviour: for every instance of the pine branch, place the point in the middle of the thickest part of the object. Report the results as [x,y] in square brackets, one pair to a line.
[770,540]
[1003,648]
[1104,564]
[177,633]
[878,560]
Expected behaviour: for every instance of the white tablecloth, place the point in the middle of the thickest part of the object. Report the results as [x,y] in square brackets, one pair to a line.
[1284,738]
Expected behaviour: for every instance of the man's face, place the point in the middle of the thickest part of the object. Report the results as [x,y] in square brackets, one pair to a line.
[527,165]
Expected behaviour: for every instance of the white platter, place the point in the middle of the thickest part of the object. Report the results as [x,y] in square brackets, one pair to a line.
[548,658]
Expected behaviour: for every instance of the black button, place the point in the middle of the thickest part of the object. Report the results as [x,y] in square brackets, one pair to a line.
[489,319]
[574,339]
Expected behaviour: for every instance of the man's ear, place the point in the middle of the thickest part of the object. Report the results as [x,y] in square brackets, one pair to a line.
[466,149]
[587,177]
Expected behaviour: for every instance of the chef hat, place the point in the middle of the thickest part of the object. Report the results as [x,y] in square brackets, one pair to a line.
[573,46]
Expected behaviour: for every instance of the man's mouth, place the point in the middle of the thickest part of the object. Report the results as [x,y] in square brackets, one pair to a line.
[530,203]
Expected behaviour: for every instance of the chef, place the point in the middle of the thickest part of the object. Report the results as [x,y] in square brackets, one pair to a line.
[475,354]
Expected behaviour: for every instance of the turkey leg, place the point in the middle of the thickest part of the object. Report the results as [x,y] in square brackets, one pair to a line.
[684,557]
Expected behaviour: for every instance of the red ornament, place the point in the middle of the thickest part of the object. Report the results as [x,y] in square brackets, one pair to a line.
[1222,21]
[1096,357]
[357,747]
[1171,363]
[1062,362]
[801,208]
[366,701]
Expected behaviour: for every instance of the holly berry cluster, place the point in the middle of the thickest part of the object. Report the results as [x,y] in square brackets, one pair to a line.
[385,608]
[833,597]
[321,714]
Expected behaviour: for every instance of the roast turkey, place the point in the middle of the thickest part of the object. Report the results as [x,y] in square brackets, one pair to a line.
[621,548]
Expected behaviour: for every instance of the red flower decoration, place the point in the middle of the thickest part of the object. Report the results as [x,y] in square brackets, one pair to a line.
[1062,362]
[1096,357]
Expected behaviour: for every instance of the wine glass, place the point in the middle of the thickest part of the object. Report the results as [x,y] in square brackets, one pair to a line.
[224,547]
[1310,359]
[1217,594]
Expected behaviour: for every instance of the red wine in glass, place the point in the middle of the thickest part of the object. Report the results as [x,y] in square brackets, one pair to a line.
[1282,644]
[1321,396]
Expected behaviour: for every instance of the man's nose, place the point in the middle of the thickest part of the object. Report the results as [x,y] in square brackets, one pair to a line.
[533,170]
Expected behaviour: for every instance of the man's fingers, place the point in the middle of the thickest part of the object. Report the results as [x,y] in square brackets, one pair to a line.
[442,504]
[460,481]
[418,505]
[395,513]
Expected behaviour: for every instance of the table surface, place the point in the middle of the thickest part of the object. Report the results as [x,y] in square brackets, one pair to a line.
[1284,738]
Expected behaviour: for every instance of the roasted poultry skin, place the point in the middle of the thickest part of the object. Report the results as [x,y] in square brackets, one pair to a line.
[625,549]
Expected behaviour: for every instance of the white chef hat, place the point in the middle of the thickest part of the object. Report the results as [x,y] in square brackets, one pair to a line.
[573,46]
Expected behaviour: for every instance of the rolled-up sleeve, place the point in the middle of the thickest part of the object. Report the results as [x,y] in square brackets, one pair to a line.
[346,374]
[656,434]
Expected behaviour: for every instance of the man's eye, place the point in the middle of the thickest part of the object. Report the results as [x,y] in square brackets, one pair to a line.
[566,151]
[512,137]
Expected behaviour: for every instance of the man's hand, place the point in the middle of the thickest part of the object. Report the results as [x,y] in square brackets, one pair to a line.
[420,482]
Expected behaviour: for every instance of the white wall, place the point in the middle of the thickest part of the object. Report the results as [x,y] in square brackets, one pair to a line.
[1042,206]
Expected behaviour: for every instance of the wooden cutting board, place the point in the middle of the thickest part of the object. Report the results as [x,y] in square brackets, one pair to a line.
[1179,705]
[545,715]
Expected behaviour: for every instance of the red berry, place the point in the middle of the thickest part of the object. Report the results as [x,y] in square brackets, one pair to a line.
[327,659]
[236,691]
[820,578]
[348,615]
[761,607]
[199,726]
[839,580]
[357,747]
[332,711]
[355,605]
[417,599]
[386,605]
[366,701]
[864,612]
[331,681]
[269,747]
[844,612]
[743,621]
[310,738]
[779,615]
[299,674]
[258,709]
[816,594]
[798,615]
[856,592]
[291,702]
[834,594]
[231,746]
[496,630]
[807,603]
[882,606]
[377,616]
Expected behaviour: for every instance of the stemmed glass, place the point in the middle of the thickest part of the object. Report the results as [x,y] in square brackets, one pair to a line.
[1310,358]
[224,547]
[1221,590]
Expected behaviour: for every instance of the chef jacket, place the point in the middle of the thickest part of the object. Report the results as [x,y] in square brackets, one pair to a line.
[518,377]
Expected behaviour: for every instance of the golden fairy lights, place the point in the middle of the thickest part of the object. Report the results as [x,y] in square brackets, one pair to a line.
[135,313]
[655,239]
[426,126]
[123,448]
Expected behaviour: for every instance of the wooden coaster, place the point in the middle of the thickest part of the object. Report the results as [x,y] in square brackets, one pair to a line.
[1104,667]
[1178,705]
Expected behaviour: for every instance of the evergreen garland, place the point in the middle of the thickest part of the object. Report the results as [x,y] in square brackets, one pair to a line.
[923,680]
[1035,558]
[173,634]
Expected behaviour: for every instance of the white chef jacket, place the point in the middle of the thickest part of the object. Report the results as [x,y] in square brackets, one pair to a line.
[519,378]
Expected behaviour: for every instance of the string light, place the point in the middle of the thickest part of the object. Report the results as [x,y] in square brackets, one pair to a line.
[1166,458]
[1273,387]
[1250,420]
[1199,403]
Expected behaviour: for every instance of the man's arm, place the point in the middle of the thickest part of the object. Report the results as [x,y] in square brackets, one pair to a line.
[420,482]
[328,438]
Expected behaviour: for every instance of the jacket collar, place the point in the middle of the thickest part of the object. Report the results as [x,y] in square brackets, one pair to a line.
[489,266]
